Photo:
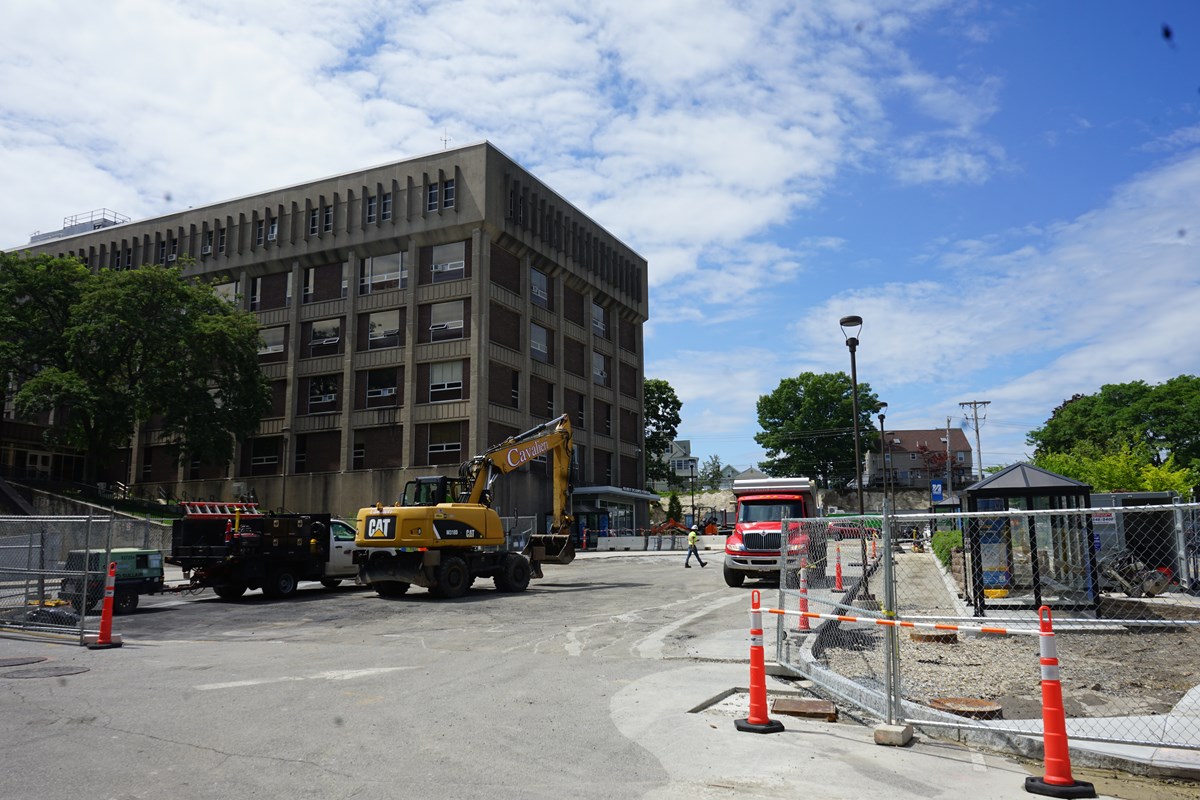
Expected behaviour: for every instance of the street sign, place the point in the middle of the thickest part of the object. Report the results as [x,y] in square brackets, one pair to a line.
[935,491]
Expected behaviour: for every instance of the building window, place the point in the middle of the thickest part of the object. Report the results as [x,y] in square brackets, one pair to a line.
[600,369]
[516,389]
[259,232]
[322,393]
[372,207]
[449,262]
[448,193]
[445,381]
[206,246]
[381,387]
[360,453]
[129,255]
[221,241]
[325,337]
[539,343]
[446,321]
[431,199]
[327,223]
[273,230]
[386,210]
[444,442]
[383,329]
[227,291]
[162,252]
[380,273]
[539,288]
[272,341]
[599,321]
[314,222]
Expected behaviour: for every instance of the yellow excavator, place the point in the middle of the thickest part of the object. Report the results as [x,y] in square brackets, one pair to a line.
[443,533]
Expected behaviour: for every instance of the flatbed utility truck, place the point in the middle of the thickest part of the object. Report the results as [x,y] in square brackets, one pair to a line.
[232,547]
[443,532]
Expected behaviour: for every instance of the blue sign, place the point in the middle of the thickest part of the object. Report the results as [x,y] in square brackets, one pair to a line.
[935,491]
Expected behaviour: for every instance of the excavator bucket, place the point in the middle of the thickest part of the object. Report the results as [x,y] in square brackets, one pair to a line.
[550,548]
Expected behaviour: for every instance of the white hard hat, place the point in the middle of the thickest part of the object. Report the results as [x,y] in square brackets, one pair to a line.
[695,527]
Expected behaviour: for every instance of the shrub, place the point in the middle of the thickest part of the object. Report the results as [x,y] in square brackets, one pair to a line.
[944,542]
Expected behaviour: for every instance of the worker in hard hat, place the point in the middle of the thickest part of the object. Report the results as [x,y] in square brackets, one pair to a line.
[693,550]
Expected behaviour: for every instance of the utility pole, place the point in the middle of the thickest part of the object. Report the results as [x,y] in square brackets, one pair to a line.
[975,406]
[949,481]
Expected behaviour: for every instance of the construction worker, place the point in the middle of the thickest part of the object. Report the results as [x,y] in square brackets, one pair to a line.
[693,550]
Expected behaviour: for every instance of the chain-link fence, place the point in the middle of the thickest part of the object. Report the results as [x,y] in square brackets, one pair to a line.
[1121,584]
[43,571]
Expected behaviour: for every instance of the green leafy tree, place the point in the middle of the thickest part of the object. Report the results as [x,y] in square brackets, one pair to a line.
[808,427]
[134,345]
[1157,421]
[661,414]
[710,475]
[674,508]
[1126,469]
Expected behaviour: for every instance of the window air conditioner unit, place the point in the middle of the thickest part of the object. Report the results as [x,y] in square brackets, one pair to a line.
[272,236]
[323,398]
[386,391]
[206,250]
[171,257]
[330,340]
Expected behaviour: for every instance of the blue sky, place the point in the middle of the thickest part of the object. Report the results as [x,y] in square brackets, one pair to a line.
[1007,192]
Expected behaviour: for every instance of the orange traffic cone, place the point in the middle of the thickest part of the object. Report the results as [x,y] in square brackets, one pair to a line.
[837,572]
[1058,781]
[873,555]
[106,638]
[757,721]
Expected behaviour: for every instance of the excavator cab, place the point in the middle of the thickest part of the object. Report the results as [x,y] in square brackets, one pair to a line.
[431,491]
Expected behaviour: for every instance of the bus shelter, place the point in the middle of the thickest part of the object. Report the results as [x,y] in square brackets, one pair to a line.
[1020,560]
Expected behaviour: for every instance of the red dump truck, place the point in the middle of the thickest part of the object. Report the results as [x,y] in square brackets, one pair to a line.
[753,548]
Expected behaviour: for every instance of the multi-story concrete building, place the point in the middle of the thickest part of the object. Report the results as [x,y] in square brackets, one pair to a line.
[412,315]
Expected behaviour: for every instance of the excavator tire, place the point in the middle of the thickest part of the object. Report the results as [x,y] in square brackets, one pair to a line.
[390,588]
[514,574]
[453,578]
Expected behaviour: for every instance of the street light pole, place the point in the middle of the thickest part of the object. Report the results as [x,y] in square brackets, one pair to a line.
[883,459]
[692,465]
[852,342]
[851,326]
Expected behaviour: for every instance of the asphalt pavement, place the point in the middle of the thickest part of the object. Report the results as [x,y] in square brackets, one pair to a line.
[676,723]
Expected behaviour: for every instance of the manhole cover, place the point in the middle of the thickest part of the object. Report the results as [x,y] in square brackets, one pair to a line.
[971,707]
[19,660]
[44,672]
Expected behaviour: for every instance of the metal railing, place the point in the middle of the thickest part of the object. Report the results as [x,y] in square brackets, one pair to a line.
[35,563]
[1122,586]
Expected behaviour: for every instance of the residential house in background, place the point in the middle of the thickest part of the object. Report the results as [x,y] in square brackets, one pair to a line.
[912,458]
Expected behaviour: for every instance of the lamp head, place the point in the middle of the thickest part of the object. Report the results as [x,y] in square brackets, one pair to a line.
[851,326]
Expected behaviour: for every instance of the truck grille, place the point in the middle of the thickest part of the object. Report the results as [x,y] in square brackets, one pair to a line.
[760,541]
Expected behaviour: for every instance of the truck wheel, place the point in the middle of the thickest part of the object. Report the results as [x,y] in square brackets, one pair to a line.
[734,578]
[125,602]
[331,583]
[229,591]
[514,574]
[280,584]
[390,588]
[453,579]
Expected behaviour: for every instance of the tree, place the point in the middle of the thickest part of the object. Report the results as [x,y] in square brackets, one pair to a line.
[710,476]
[674,508]
[808,427]
[661,414]
[1159,421]
[934,461]
[1126,469]
[135,345]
